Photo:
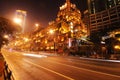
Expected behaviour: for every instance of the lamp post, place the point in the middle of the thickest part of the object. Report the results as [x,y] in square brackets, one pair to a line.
[52,32]
[70,34]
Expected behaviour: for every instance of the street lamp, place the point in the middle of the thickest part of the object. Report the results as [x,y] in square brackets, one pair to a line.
[17,20]
[6,36]
[71,34]
[52,32]
[36,24]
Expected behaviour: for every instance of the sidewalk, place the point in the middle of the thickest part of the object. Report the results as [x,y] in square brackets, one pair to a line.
[1,67]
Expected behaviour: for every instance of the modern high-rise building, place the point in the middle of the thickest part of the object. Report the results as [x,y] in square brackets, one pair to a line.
[104,15]
[100,5]
[104,18]
[20,18]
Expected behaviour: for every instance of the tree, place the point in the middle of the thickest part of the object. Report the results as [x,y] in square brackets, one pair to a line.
[7,27]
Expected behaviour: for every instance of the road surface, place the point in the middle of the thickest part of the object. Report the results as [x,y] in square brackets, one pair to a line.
[29,66]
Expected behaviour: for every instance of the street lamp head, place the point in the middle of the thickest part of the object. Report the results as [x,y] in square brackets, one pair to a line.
[6,36]
[36,24]
[17,20]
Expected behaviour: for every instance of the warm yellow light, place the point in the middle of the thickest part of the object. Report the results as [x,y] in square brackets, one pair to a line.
[76,30]
[118,39]
[41,48]
[52,47]
[15,43]
[6,36]
[36,24]
[51,31]
[38,40]
[62,39]
[47,47]
[71,27]
[117,46]
[26,39]
[71,31]
[17,20]
[46,41]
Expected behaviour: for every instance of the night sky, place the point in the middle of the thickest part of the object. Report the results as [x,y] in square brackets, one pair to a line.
[41,11]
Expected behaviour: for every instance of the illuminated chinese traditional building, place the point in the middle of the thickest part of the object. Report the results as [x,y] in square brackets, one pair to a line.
[66,30]
[68,26]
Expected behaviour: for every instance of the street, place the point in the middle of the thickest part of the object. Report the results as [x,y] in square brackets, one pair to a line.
[29,66]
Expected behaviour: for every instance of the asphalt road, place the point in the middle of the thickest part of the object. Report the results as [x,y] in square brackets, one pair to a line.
[27,66]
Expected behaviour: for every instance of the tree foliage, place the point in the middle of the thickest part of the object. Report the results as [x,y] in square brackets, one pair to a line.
[7,27]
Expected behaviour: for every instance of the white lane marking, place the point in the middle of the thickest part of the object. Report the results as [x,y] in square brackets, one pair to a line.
[101,60]
[34,55]
[69,78]
[89,70]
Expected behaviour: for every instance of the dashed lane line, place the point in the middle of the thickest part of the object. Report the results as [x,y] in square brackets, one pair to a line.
[69,78]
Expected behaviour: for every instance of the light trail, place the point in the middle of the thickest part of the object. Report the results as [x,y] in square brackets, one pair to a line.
[34,55]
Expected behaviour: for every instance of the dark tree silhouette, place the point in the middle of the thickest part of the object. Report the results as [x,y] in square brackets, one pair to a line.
[7,27]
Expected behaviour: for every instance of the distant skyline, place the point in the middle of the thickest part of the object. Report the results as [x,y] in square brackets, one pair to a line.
[40,11]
